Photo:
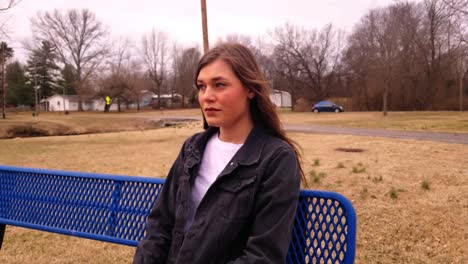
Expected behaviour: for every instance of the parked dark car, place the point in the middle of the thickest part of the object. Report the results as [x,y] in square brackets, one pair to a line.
[326,106]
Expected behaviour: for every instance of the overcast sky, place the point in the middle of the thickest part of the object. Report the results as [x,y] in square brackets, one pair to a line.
[181,19]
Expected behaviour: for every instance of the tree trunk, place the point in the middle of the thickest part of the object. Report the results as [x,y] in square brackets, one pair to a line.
[385,99]
[3,91]
[460,83]
[138,103]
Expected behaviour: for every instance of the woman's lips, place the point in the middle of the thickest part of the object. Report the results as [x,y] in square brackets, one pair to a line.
[211,111]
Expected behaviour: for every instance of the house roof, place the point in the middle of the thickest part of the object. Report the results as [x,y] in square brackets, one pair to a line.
[71,98]
[166,96]
[279,92]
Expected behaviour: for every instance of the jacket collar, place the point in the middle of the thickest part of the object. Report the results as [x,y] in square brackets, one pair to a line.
[248,154]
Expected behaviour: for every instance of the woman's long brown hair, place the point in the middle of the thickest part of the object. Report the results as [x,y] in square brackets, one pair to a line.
[245,67]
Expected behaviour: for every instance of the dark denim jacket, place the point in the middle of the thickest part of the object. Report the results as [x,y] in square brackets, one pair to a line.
[245,217]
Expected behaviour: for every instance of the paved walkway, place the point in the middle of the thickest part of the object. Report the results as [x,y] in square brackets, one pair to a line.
[457,138]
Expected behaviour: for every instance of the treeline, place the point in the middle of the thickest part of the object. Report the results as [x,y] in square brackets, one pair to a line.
[406,56]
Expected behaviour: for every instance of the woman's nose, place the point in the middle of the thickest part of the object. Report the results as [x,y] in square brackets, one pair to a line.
[209,94]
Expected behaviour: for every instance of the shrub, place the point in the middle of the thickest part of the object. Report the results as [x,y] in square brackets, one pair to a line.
[364,192]
[316,177]
[425,185]
[360,168]
[340,165]
[316,162]
[377,179]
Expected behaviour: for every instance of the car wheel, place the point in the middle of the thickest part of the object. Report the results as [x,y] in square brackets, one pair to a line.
[337,110]
[316,111]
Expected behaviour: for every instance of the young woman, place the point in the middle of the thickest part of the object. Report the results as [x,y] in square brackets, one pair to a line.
[231,194]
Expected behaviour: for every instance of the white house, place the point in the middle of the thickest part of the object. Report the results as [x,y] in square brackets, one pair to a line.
[57,102]
[167,100]
[280,98]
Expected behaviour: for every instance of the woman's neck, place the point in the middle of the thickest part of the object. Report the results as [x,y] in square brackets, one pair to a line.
[236,134]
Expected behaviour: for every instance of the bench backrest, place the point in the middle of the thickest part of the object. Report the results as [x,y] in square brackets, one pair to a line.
[114,209]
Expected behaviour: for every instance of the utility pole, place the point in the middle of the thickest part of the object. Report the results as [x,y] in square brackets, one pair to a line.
[205,27]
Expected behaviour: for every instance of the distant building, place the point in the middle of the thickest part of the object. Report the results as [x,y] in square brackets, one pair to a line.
[280,98]
[167,100]
[57,103]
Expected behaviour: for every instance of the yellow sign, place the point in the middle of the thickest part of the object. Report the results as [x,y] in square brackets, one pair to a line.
[108,99]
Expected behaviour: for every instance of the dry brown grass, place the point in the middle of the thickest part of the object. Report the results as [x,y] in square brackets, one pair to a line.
[421,121]
[419,226]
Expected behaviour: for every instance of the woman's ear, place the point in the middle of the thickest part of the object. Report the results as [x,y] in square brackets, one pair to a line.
[250,94]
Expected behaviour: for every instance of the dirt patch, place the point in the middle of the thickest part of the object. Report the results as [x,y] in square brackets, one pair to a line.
[38,130]
[26,131]
[81,125]
[357,150]
[168,122]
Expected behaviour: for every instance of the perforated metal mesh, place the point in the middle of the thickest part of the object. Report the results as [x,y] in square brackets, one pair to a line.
[114,209]
[320,232]
[104,207]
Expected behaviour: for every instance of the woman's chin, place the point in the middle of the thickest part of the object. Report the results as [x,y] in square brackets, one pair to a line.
[212,123]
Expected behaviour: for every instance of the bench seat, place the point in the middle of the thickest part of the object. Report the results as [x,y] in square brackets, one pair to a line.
[114,208]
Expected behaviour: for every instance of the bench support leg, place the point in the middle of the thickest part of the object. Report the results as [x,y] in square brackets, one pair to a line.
[2,232]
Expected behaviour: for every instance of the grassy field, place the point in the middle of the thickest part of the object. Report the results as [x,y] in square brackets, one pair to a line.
[411,197]
[455,122]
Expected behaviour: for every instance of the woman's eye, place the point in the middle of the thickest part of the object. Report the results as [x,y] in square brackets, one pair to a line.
[220,85]
[200,86]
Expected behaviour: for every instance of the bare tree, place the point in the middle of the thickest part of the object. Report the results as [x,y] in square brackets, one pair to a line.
[380,56]
[458,5]
[384,25]
[236,38]
[460,8]
[136,83]
[116,80]
[5,5]
[155,56]
[407,54]
[433,43]
[79,38]
[308,57]
[186,73]
[5,53]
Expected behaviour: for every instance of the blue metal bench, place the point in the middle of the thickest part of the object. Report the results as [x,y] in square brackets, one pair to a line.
[114,208]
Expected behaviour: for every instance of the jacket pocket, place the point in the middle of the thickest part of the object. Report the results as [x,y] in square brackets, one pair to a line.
[236,185]
[236,197]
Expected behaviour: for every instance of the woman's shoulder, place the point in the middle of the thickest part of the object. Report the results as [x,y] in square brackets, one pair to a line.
[275,144]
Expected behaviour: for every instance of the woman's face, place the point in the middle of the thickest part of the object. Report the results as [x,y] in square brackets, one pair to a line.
[223,99]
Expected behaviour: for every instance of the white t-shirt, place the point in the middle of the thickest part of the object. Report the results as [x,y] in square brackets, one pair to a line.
[216,156]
